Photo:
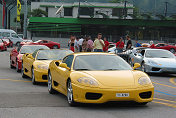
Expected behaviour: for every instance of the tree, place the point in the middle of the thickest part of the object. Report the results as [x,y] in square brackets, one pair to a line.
[38,13]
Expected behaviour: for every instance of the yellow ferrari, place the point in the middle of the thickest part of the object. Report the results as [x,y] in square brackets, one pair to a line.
[98,78]
[36,65]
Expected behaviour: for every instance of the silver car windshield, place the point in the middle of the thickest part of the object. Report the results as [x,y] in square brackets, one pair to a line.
[100,62]
[31,49]
[53,54]
[158,54]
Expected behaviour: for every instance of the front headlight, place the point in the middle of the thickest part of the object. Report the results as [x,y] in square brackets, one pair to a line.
[87,81]
[144,80]
[45,67]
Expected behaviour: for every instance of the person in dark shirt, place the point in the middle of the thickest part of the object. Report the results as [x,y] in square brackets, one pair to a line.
[129,43]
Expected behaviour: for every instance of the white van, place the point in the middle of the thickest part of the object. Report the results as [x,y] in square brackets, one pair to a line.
[12,35]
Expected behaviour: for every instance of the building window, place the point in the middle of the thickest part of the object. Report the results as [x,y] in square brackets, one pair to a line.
[87,11]
[68,11]
[118,12]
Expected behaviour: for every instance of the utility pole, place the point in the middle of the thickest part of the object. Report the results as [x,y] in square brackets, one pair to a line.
[79,8]
[125,10]
[25,20]
[166,6]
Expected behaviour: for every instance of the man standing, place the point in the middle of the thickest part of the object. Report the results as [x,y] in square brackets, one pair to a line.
[105,48]
[138,44]
[120,45]
[76,45]
[98,44]
[80,43]
[129,43]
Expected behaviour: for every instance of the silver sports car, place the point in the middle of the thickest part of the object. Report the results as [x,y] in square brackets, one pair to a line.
[154,60]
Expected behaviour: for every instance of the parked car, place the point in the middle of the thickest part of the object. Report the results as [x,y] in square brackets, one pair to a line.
[155,60]
[17,53]
[37,63]
[165,46]
[3,46]
[12,35]
[9,43]
[26,41]
[90,78]
[50,44]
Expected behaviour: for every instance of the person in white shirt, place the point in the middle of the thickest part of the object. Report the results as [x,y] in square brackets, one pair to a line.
[80,43]
[76,45]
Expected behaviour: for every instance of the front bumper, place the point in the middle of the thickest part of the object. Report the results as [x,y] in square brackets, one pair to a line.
[159,69]
[79,93]
[41,75]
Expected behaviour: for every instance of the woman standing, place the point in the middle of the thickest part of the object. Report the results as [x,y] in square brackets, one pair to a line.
[84,45]
[72,43]
[105,48]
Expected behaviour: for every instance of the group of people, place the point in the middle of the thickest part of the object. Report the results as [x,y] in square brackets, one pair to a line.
[85,44]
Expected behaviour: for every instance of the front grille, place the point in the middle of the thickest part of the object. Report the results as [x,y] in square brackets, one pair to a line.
[93,96]
[145,95]
[155,69]
[44,77]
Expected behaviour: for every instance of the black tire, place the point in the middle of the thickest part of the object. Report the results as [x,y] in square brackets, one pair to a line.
[143,67]
[142,103]
[70,97]
[50,86]
[33,77]
[22,72]
[172,50]
[55,47]
[17,66]
[18,44]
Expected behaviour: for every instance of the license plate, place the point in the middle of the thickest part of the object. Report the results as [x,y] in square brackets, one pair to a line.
[122,95]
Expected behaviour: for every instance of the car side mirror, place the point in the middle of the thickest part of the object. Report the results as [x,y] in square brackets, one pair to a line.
[64,65]
[30,56]
[136,65]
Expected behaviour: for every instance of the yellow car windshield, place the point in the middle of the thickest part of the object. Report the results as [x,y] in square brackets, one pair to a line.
[100,62]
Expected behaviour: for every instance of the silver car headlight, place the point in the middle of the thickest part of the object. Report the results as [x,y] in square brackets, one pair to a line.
[144,80]
[87,81]
[45,67]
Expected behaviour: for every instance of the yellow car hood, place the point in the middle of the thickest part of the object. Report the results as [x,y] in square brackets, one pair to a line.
[46,62]
[113,78]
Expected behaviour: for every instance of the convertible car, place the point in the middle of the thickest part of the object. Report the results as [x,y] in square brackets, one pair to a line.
[9,43]
[3,46]
[165,46]
[155,60]
[16,54]
[36,65]
[50,44]
[90,78]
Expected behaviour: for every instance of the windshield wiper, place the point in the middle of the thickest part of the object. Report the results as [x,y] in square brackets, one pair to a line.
[42,59]
[82,69]
[110,69]
[164,57]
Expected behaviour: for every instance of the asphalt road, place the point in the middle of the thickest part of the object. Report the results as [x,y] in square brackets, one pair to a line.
[20,99]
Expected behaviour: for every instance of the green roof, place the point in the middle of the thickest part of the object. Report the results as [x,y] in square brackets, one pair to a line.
[100,21]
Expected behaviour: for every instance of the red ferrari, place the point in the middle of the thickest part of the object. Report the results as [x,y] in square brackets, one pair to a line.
[50,44]
[9,43]
[171,48]
[3,45]
[16,54]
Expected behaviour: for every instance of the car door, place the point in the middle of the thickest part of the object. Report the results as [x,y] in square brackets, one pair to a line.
[65,73]
[139,56]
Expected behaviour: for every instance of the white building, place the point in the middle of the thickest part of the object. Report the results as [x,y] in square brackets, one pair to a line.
[87,10]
